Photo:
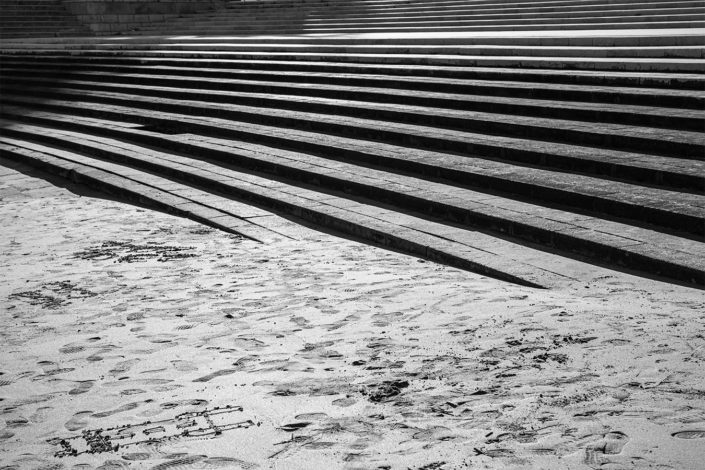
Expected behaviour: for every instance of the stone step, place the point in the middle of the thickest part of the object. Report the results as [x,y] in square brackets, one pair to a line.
[302,29]
[577,193]
[341,7]
[620,111]
[441,17]
[35,16]
[46,32]
[39,5]
[51,20]
[454,246]
[312,82]
[694,51]
[667,173]
[591,38]
[417,74]
[684,65]
[303,199]
[478,11]
[362,150]
[432,127]
[558,23]
[244,23]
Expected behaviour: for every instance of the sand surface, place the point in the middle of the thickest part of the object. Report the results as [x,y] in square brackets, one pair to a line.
[134,339]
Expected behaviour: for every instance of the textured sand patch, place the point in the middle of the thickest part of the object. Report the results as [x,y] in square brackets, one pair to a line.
[157,343]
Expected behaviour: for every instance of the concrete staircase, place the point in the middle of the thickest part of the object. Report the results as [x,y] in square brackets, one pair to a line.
[520,155]
[38,18]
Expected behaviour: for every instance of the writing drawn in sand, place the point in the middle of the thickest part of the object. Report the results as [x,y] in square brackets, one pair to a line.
[196,424]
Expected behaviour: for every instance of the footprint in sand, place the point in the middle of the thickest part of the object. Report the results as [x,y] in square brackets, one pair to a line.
[113,465]
[184,366]
[612,443]
[78,421]
[127,407]
[216,374]
[71,348]
[204,461]
[123,366]
[247,343]
[227,462]
[181,463]
[434,433]
[344,402]
[41,414]
[311,417]
[696,434]
[82,387]
[16,422]
[136,456]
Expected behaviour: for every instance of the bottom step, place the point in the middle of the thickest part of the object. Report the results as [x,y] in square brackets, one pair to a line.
[466,249]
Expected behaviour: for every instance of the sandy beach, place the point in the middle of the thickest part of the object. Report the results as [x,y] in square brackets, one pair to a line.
[135,339]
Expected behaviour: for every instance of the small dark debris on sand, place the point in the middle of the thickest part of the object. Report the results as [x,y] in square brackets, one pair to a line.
[53,294]
[384,390]
[127,252]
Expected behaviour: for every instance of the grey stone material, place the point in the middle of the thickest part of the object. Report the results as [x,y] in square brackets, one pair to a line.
[509,141]
[602,195]
[341,218]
